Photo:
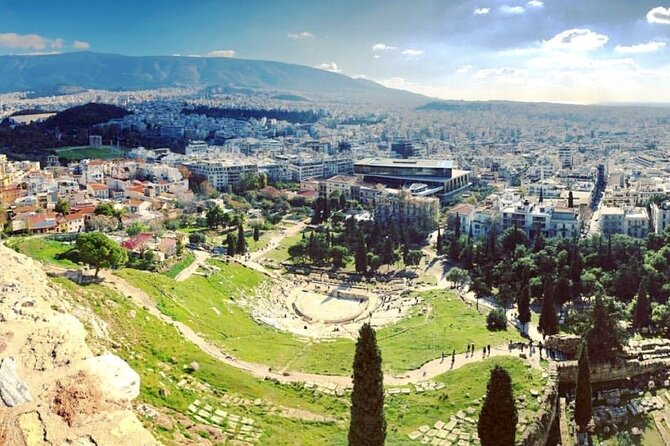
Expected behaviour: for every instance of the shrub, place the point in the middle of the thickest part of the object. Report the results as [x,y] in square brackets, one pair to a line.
[496,320]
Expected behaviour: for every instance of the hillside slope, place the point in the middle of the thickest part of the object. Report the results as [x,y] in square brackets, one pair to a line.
[53,388]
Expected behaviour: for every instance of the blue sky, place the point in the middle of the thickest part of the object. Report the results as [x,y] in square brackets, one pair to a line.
[557,50]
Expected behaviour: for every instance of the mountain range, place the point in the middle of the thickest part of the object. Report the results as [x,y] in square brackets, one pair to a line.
[67,72]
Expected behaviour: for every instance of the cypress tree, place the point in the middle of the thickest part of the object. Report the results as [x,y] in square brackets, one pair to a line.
[361,256]
[457,227]
[523,305]
[583,398]
[498,418]
[641,316]
[548,319]
[368,425]
[257,233]
[571,200]
[439,241]
[241,241]
[231,243]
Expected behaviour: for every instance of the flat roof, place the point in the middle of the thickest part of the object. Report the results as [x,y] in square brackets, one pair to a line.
[394,162]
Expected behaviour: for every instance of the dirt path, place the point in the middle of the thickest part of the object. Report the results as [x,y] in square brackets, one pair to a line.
[200,258]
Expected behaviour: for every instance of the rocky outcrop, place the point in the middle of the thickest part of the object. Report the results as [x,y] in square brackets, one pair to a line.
[54,390]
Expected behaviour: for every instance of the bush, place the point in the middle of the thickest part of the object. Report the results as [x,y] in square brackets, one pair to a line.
[496,320]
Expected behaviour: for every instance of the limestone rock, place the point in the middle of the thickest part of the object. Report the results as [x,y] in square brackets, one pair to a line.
[115,377]
[12,390]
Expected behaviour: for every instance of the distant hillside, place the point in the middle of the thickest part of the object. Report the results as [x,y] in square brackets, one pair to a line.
[115,72]
[86,115]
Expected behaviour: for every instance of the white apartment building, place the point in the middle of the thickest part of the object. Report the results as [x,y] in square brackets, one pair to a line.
[631,221]
[196,148]
[660,216]
[221,173]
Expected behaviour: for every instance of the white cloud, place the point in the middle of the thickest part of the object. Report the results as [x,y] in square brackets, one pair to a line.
[481,11]
[464,69]
[300,36]
[499,73]
[57,44]
[221,53]
[382,47]
[579,39]
[512,10]
[659,15]
[535,4]
[411,52]
[640,48]
[329,66]
[26,41]
[81,45]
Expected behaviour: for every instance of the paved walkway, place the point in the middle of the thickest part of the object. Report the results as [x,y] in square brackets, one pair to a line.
[200,258]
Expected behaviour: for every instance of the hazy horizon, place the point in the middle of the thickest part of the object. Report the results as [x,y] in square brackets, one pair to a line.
[569,51]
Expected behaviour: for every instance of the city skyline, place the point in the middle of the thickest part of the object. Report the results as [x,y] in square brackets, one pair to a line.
[568,51]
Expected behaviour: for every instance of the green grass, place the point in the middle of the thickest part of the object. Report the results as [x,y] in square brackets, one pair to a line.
[280,253]
[181,265]
[148,345]
[158,353]
[80,153]
[42,249]
[451,324]
[405,413]
[192,302]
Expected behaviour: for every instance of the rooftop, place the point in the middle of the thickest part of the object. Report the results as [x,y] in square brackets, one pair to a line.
[392,162]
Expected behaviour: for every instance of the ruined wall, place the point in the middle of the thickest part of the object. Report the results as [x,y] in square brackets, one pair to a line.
[567,371]
[537,433]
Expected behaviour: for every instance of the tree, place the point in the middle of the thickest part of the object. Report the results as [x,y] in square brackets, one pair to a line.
[339,256]
[136,228]
[458,276]
[498,418]
[605,337]
[241,241]
[388,254]
[414,257]
[523,305]
[62,206]
[438,243]
[496,319]
[642,312]
[179,246]
[99,251]
[361,256]
[197,238]
[571,200]
[548,319]
[368,425]
[215,217]
[257,233]
[583,398]
[231,244]
[107,210]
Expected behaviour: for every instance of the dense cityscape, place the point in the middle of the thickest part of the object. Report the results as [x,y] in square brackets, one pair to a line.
[198,248]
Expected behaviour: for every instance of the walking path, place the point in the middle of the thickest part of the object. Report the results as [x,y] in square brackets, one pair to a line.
[200,258]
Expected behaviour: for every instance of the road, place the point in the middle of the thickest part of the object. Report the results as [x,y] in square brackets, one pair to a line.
[200,258]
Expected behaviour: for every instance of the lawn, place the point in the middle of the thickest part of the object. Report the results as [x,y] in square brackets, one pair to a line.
[80,153]
[451,325]
[158,353]
[42,249]
[181,265]
[150,346]
[280,253]
[405,413]
[208,305]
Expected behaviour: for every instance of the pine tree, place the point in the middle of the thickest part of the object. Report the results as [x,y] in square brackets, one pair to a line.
[548,319]
[523,305]
[583,398]
[605,338]
[368,425]
[498,418]
[642,313]
[231,242]
[241,241]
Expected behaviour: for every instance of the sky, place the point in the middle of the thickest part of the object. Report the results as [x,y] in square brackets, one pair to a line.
[573,51]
